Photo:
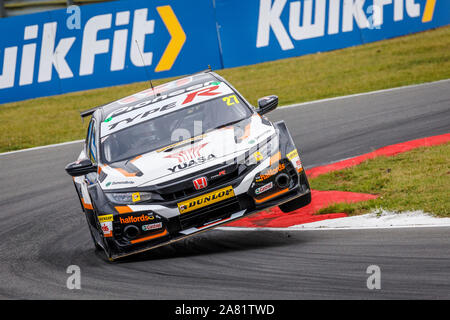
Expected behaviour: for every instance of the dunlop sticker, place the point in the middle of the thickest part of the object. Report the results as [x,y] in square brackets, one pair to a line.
[107,218]
[291,155]
[206,200]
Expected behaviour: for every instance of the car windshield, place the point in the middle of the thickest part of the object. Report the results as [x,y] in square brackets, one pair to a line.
[176,126]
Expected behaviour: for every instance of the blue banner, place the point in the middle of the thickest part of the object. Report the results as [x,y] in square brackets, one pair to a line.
[263,30]
[103,45]
[126,41]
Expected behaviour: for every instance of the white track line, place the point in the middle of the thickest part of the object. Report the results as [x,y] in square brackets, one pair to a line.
[42,147]
[378,219]
[332,229]
[366,93]
[283,107]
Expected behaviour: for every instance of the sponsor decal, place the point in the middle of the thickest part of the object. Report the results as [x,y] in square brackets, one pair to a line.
[258,156]
[218,175]
[291,155]
[106,218]
[200,183]
[152,97]
[203,92]
[295,160]
[106,224]
[149,109]
[360,14]
[270,172]
[152,226]
[297,164]
[107,229]
[133,219]
[191,163]
[188,154]
[264,188]
[112,183]
[135,197]
[205,200]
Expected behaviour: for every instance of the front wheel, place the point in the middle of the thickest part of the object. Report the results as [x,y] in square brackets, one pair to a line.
[295,204]
[96,245]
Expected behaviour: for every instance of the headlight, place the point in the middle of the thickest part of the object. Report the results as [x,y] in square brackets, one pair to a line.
[129,197]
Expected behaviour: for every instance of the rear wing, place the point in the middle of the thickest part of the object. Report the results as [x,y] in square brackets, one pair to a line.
[89,112]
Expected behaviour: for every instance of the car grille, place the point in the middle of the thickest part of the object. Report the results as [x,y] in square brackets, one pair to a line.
[186,188]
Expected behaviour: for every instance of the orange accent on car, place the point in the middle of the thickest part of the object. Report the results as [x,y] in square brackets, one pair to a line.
[125,173]
[275,158]
[100,168]
[161,234]
[123,209]
[272,196]
[87,205]
[134,159]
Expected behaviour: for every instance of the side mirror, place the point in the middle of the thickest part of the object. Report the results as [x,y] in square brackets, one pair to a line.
[267,104]
[81,167]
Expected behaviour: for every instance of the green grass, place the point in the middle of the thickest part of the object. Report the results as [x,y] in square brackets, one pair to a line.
[417,58]
[414,180]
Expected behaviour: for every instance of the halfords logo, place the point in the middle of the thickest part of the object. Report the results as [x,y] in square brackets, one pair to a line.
[270,172]
[131,219]
[366,14]
[53,54]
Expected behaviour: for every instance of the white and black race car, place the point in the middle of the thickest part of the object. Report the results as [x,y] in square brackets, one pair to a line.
[181,158]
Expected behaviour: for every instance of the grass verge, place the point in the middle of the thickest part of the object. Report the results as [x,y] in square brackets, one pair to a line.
[414,180]
[412,59]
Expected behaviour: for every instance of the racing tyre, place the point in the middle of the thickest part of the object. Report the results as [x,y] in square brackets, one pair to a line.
[295,204]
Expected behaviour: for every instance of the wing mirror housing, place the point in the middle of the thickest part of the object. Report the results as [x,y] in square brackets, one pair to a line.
[81,167]
[267,104]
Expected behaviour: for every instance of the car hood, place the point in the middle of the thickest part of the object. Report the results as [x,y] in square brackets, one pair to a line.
[186,157]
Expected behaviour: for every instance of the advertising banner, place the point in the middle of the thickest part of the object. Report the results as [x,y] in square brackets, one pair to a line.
[127,41]
[103,45]
[263,30]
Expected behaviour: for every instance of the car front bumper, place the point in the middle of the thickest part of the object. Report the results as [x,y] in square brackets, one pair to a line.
[176,226]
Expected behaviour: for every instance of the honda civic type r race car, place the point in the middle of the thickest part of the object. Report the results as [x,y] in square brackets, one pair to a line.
[181,158]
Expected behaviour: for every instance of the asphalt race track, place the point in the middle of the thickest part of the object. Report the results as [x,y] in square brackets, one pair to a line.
[43,230]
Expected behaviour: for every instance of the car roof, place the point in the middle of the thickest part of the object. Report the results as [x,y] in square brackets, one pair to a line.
[153,93]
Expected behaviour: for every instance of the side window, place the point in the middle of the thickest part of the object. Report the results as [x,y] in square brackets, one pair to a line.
[91,143]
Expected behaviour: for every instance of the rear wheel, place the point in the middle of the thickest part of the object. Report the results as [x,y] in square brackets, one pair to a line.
[295,204]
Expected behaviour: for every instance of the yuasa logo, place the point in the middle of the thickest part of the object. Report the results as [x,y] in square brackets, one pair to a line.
[53,54]
[352,11]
